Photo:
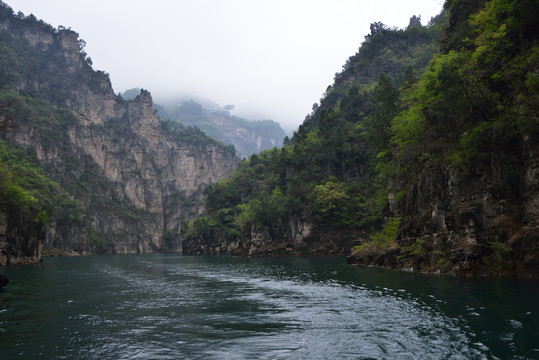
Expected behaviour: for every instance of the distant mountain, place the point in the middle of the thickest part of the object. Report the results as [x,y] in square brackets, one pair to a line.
[248,136]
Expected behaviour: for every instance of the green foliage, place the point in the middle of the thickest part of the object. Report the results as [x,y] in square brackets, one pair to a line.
[201,227]
[328,171]
[499,254]
[17,195]
[25,189]
[414,251]
[332,203]
[399,111]
[232,235]
[383,239]
[474,101]
[378,126]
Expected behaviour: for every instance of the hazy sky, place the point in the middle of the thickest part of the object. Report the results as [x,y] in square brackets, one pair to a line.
[270,58]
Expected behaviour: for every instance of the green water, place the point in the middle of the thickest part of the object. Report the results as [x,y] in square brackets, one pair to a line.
[178,307]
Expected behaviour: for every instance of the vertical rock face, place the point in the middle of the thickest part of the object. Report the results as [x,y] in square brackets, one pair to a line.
[487,223]
[20,239]
[468,225]
[138,179]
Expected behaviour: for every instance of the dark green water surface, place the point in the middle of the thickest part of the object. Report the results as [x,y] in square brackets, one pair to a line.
[178,307]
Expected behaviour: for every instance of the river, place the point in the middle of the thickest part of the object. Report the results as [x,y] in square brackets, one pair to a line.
[167,306]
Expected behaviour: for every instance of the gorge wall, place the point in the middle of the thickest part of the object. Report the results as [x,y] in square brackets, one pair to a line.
[138,179]
[464,183]
[484,224]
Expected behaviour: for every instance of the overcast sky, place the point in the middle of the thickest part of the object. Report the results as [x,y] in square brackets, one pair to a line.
[270,58]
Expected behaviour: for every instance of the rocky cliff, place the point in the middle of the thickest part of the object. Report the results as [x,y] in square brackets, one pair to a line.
[484,224]
[464,173]
[139,179]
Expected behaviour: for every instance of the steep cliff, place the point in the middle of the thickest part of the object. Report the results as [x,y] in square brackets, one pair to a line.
[138,178]
[464,176]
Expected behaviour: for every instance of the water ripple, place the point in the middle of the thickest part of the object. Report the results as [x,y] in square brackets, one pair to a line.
[169,307]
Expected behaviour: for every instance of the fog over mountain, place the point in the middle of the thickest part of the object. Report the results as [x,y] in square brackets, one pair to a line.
[271,59]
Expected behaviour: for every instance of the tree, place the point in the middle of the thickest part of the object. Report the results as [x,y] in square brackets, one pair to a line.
[333,204]
[377,27]
[378,126]
[415,21]
[409,78]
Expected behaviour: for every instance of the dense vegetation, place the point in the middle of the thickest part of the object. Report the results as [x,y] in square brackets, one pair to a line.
[328,171]
[398,115]
[25,188]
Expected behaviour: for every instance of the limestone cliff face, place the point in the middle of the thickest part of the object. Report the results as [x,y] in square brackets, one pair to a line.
[487,223]
[19,242]
[139,180]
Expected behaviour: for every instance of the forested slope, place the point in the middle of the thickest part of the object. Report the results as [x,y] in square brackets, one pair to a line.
[320,193]
[433,168]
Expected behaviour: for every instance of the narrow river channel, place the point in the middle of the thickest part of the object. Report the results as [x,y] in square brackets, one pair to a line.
[219,307]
